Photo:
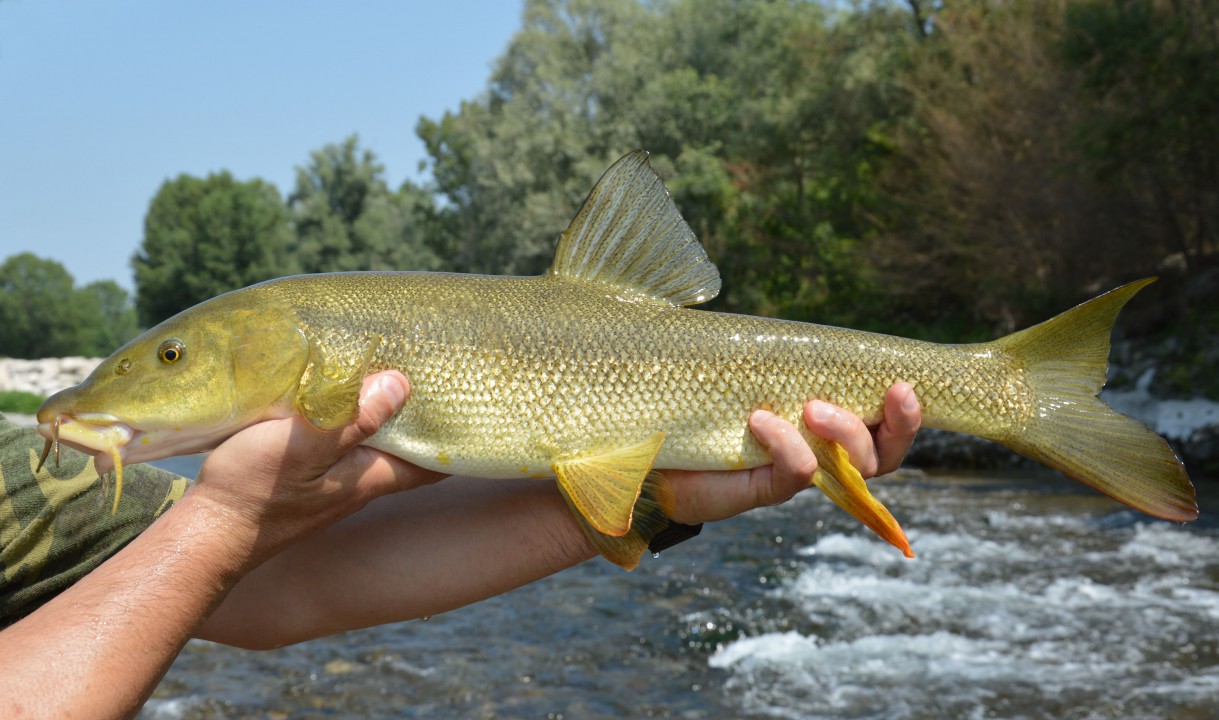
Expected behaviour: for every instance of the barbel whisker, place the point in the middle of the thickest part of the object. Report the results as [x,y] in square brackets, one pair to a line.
[52,444]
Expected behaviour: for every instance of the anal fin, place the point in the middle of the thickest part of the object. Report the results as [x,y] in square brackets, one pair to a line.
[842,483]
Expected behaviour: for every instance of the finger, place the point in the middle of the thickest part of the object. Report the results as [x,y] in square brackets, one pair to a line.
[700,497]
[382,395]
[794,461]
[903,417]
[378,473]
[710,496]
[833,423]
[312,450]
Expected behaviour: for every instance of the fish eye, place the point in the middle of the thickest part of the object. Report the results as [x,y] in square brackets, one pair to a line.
[171,351]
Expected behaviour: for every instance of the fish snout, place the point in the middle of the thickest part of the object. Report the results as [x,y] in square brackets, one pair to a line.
[55,407]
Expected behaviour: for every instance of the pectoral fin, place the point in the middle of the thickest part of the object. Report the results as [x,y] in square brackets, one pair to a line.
[838,479]
[329,395]
[604,486]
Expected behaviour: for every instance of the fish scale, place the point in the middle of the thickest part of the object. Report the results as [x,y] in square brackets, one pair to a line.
[625,370]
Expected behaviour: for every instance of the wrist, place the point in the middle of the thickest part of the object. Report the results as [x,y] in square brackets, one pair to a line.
[223,540]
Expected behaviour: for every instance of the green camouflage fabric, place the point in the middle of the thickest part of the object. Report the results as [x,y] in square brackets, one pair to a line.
[56,525]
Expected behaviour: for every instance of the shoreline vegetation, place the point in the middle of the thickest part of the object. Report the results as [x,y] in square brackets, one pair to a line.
[947,171]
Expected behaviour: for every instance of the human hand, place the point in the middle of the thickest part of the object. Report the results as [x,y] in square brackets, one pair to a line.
[710,496]
[285,478]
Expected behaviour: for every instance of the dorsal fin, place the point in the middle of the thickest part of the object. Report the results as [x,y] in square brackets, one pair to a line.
[629,234]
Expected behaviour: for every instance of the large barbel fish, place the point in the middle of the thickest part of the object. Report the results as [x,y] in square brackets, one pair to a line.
[595,373]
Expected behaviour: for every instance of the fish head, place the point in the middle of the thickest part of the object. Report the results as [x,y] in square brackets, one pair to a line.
[185,385]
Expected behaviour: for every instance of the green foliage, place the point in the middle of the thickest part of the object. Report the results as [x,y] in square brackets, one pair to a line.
[1149,80]
[20,402]
[952,170]
[740,105]
[39,314]
[206,237]
[116,318]
[43,313]
[346,217]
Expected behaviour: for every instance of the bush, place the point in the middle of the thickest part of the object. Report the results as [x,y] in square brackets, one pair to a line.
[20,402]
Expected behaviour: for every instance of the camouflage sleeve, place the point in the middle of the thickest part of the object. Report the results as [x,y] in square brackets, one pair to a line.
[56,524]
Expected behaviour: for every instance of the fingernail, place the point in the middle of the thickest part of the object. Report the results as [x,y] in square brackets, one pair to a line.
[910,402]
[823,411]
[393,389]
[763,417]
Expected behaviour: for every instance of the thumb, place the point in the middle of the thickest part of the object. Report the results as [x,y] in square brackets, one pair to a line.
[382,395]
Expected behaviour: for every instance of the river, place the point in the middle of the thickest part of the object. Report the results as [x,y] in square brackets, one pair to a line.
[1031,597]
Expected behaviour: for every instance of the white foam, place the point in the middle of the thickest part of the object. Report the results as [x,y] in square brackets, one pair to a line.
[975,620]
[167,709]
[1177,419]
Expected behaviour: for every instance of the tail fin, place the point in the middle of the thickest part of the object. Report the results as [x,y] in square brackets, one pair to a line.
[1072,430]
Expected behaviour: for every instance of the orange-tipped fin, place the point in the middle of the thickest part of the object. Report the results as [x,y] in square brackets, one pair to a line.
[839,480]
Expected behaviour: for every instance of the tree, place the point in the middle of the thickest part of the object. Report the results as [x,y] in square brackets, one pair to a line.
[41,314]
[760,115]
[1150,87]
[116,319]
[996,222]
[346,218]
[205,237]
[950,169]
[514,164]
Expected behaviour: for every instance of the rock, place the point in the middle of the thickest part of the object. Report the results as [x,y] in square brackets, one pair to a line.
[44,377]
[943,449]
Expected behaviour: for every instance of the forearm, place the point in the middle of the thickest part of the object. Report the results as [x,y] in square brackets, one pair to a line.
[441,547]
[99,648]
[404,556]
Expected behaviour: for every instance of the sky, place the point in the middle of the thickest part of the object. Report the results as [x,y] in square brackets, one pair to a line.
[101,102]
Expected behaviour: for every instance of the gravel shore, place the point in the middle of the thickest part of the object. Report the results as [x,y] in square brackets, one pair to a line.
[42,377]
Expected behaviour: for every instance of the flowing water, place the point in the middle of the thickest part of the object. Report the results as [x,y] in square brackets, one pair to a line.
[1030,598]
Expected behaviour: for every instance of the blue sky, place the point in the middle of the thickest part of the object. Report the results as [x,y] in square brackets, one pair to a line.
[100,102]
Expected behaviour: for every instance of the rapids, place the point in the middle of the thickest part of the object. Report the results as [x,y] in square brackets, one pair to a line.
[1031,597]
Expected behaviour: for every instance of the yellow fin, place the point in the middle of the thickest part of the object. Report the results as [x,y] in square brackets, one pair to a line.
[1072,430]
[839,480]
[329,396]
[648,520]
[629,234]
[603,487]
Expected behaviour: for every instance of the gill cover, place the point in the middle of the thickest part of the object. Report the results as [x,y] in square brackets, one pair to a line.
[269,354]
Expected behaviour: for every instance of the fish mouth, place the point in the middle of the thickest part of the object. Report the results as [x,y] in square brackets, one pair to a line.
[91,433]
[102,434]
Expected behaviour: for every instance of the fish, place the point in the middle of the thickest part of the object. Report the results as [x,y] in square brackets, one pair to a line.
[598,372]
